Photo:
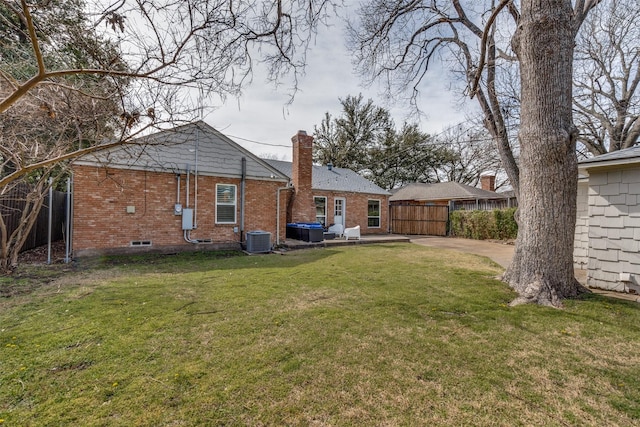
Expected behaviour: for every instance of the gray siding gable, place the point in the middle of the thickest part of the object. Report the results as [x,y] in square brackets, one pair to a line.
[176,150]
[337,179]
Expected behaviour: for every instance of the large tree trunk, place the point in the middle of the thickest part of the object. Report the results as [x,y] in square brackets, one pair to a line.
[542,267]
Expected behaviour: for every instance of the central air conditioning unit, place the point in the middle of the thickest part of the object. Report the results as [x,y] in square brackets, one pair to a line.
[258,242]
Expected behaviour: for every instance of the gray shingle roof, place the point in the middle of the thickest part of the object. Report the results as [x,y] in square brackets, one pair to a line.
[337,179]
[174,150]
[442,191]
[628,155]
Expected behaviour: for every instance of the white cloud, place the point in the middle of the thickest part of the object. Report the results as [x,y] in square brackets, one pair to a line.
[262,113]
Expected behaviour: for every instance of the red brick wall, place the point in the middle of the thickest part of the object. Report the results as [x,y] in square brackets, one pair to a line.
[356,210]
[101,197]
[302,207]
[488,182]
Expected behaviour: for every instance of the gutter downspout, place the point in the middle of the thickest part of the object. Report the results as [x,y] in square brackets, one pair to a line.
[242,196]
[288,187]
[69,209]
[178,188]
[195,189]
[187,184]
[187,233]
[50,222]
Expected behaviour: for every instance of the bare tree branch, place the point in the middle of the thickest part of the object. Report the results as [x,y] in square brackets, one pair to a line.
[483,44]
[607,78]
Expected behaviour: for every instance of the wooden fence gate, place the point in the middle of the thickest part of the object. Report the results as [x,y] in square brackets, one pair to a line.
[419,219]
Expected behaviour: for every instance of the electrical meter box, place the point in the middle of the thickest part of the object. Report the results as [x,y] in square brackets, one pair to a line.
[187,219]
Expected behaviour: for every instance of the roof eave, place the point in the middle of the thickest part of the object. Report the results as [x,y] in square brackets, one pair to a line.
[585,167]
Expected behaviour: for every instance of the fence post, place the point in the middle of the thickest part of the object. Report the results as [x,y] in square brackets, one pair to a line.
[68,223]
[49,225]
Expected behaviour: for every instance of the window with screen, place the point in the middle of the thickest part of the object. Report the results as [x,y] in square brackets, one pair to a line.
[373,213]
[226,202]
[321,210]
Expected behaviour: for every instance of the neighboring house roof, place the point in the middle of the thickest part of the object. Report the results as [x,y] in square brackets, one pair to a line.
[336,179]
[179,149]
[442,191]
[627,156]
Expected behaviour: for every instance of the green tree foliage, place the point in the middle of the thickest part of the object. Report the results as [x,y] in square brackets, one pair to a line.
[67,39]
[346,141]
[57,117]
[363,138]
[406,156]
[498,224]
[76,109]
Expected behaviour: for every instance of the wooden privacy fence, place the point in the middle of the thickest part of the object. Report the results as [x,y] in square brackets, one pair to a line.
[12,204]
[419,219]
[483,204]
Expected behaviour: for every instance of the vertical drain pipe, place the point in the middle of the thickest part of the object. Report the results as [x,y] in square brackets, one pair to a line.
[195,189]
[242,197]
[187,184]
[288,187]
[69,227]
[178,189]
[49,225]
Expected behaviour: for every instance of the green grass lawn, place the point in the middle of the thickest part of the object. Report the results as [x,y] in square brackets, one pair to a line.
[368,335]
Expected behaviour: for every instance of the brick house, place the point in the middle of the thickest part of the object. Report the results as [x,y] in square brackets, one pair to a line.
[607,241]
[341,196]
[193,188]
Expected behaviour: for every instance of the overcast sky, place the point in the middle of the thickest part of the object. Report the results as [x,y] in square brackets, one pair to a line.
[262,114]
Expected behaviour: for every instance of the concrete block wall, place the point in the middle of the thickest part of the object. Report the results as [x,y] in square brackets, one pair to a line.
[356,210]
[115,207]
[614,228]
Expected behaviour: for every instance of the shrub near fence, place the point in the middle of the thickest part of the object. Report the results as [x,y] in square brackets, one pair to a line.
[498,224]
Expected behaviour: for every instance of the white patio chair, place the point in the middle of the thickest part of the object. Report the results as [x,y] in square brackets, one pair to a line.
[337,229]
[352,232]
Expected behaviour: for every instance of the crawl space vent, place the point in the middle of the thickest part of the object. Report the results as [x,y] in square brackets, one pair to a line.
[141,243]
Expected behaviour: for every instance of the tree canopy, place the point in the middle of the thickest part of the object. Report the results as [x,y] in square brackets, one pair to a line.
[364,138]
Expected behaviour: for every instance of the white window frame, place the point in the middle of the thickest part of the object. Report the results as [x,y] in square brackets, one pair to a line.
[379,217]
[225,203]
[324,223]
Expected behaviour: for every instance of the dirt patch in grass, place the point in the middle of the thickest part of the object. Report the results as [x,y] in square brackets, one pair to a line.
[39,255]
[313,298]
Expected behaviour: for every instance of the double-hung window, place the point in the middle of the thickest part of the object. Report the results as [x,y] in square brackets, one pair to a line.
[373,213]
[226,202]
[321,210]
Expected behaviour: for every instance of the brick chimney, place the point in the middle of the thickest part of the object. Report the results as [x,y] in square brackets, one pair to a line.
[488,182]
[303,208]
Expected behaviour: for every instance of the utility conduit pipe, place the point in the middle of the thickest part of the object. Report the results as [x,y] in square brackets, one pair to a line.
[242,196]
[288,187]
